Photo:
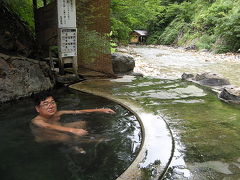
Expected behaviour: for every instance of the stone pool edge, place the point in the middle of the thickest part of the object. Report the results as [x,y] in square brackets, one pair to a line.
[133,172]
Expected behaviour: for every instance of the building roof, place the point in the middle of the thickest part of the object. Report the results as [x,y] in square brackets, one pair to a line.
[141,32]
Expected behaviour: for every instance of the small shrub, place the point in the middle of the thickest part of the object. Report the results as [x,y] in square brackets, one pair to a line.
[171,33]
[91,44]
[205,42]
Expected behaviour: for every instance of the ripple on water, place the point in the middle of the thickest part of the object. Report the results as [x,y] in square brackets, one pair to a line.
[207,128]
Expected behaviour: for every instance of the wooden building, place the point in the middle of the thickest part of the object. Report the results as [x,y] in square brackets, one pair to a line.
[138,36]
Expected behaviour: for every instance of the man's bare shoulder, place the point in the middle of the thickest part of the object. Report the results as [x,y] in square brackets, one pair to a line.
[37,118]
[39,121]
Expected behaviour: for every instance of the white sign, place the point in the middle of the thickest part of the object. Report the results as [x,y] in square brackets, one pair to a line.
[66,13]
[68,42]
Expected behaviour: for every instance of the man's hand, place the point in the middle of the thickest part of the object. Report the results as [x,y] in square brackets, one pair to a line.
[108,111]
[79,132]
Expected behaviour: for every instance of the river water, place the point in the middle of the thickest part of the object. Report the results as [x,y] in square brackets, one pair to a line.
[206,130]
[170,63]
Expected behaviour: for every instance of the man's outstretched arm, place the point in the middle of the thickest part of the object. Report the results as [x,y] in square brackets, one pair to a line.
[43,124]
[102,110]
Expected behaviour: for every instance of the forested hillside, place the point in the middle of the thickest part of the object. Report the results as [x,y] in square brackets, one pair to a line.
[203,24]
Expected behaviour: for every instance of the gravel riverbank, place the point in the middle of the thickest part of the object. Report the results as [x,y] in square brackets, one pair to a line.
[170,63]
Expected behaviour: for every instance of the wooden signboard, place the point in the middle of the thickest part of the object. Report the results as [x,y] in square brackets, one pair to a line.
[68,42]
[66,13]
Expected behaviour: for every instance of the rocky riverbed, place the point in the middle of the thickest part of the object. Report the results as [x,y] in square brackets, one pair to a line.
[171,63]
[214,70]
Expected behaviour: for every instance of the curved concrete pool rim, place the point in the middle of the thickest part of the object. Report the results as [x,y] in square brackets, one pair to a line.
[134,171]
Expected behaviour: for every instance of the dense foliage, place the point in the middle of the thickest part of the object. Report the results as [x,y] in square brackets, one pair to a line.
[206,24]
[131,14]
[24,9]
[90,42]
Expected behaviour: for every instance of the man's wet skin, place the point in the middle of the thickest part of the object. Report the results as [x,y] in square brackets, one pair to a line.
[47,126]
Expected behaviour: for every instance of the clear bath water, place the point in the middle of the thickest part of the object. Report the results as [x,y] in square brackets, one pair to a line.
[112,144]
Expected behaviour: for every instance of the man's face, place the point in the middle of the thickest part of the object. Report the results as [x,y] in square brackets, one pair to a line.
[47,107]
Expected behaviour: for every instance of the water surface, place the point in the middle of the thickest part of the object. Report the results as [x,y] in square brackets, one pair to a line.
[170,63]
[206,130]
[112,144]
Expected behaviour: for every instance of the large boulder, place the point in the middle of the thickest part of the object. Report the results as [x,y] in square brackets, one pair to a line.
[211,79]
[122,63]
[230,95]
[21,77]
[226,92]
[186,76]
[206,79]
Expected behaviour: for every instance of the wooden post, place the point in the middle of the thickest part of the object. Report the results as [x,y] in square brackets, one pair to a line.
[61,65]
[34,5]
[75,65]
[35,15]
[44,2]
[51,59]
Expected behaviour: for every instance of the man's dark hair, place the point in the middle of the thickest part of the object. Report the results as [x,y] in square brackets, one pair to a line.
[41,97]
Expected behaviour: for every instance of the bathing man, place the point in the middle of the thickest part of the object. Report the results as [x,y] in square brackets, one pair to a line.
[46,126]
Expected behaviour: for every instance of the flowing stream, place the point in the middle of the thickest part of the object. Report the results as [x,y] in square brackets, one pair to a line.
[169,63]
[206,130]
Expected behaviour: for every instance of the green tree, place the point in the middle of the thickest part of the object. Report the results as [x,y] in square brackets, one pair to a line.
[132,14]
[212,24]
[24,9]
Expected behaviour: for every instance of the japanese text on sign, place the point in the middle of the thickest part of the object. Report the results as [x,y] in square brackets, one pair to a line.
[66,13]
[68,46]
